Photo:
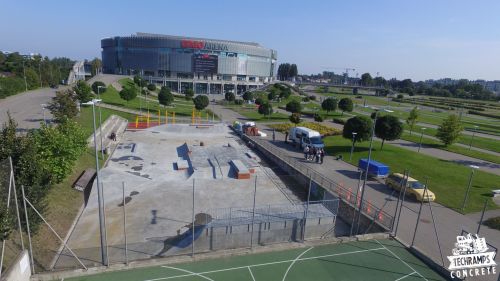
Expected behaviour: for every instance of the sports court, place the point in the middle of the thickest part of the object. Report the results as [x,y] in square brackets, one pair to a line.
[364,260]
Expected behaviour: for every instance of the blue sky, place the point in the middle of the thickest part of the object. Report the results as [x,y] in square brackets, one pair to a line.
[404,39]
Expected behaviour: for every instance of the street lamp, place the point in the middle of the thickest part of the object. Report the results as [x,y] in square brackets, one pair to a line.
[472,138]
[100,120]
[352,148]
[44,106]
[468,186]
[421,135]
[100,198]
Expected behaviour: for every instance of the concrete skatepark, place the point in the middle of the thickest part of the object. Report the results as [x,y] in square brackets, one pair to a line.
[159,194]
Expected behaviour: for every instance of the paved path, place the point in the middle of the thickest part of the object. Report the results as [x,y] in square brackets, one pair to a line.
[448,223]
[26,107]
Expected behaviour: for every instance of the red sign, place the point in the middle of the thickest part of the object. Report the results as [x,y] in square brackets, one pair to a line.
[192,44]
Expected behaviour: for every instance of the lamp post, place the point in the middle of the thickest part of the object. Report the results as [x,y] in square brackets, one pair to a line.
[472,138]
[468,187]
[421,135]
[352,147]
[100,119]
[102,227]
[44,106]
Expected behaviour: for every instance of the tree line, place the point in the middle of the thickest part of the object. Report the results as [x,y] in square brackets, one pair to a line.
[19,73]
[287,71]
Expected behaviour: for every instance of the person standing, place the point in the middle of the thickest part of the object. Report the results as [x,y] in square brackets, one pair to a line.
[312,153]
[318,154]
[322,155]
[306,152]
[286,137]
[274,135]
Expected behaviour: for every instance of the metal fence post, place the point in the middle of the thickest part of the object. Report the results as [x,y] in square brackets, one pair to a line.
[405,180]
[418,217]
[397,203]
[253,212]
[192,226]
[28,229]
[482,216]
[435,228]
[17,205]
[125,223]
[307,210]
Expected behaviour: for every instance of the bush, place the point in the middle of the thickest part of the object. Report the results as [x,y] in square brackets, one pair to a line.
[359,97]
[322,129]
[493,223]
[238,101]
[483,114]
[318,118]
[305,99]
[339,121]
[229,96]
[200,102]
[312,97]
[400,96]
[98,86]
[188,94]
[151,87]
[259,101]
[294,107]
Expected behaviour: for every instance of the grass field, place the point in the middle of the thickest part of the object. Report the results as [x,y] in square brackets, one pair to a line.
[252,114]
[364,260]
[448,180]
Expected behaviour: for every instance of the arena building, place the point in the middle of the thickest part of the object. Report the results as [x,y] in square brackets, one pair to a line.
[207,66]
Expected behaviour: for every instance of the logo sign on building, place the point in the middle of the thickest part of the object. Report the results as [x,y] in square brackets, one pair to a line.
[471,258]
[194,44]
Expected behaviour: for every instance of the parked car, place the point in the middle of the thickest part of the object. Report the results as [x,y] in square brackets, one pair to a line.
[414,188]
[304,136]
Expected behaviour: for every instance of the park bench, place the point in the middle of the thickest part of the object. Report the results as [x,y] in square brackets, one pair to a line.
[85,179]
[241,170]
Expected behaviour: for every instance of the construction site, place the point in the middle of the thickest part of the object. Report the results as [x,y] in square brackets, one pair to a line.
[184,189]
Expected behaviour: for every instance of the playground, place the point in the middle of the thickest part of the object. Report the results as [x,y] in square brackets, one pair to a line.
[363,260]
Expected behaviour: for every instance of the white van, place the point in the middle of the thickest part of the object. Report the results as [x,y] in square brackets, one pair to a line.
[304,136]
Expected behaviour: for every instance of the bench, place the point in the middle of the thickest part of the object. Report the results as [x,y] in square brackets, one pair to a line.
[241,170]
[85,179]
[496,192]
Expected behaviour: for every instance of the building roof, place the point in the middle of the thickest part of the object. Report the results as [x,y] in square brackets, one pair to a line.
[144,34]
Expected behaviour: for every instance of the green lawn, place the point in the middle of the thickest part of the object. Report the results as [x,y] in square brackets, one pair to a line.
[479,142]
[85,118]
[448,180]
[252,114]
[111,96]
[452,148]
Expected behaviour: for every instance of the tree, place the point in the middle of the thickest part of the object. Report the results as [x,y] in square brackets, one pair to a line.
[63,106]
[98,87]
[151,87]
[188,94]
[32,78]
[266,109]
[83,91]
[318,118]
[388,127]
[165,97]
[272,95]
[248,96]
[329,104]
[138,80]
[361,125]
[412,118]
[229,96]
[295,118]
[449,130]
[259,101]
[294,106]
[366,79]
[96,66]
[346,104]
[128,93]
[200,102]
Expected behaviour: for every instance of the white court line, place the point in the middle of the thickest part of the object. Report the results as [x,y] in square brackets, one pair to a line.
[407,275]
[293,262]
[194,273]
[251,274]
[401,260]
[268,263]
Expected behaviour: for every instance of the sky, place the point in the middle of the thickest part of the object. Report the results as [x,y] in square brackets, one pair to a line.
[397,39]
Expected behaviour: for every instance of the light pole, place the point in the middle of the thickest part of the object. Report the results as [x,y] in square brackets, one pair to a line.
[468,187]
[44,106]
[352,147]
[472,138]
[102,227]
[421,135]
[100,120]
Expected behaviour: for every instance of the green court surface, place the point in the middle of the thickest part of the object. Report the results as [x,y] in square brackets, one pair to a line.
[366,260]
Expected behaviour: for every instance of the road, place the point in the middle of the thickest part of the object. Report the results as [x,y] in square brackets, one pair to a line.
[26,108]
[448,222]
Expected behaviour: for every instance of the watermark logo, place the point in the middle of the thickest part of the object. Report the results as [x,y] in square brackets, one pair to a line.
[471,257]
